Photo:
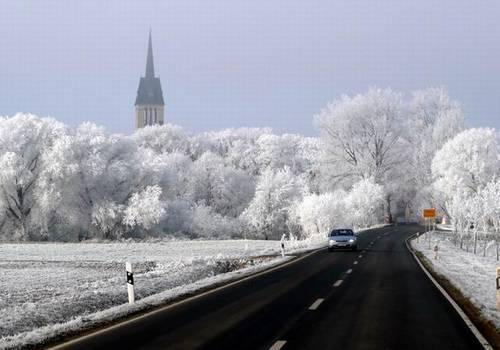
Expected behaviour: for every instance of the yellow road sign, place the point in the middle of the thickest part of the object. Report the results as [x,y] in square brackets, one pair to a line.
[429,213]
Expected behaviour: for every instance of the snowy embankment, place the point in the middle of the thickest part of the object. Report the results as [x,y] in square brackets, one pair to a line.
[473,274]
[53,289]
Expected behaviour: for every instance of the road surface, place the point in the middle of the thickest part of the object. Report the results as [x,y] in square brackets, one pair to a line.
[376,298]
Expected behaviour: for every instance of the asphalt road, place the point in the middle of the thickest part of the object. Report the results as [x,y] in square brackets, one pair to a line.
[376,298]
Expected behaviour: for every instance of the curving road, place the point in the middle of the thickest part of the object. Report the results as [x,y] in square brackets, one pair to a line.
[376,298]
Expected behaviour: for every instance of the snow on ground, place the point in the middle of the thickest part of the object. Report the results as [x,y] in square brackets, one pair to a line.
[49,289]
[472,273]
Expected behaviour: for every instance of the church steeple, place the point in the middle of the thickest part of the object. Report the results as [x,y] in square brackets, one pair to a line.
[149,105]
[150,67]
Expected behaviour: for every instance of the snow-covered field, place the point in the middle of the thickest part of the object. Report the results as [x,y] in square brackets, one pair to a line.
[50,289]
[473,274]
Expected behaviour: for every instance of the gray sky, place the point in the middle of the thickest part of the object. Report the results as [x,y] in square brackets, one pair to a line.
[243,63]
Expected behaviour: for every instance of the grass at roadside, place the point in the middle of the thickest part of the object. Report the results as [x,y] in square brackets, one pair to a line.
[56,290]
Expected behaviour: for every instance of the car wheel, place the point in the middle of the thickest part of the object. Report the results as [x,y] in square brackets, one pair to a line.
[330,250]
[355,248]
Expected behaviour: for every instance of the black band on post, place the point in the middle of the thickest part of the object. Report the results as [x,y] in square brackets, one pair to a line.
[130,278]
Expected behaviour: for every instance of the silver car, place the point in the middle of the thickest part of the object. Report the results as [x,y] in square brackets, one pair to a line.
[342,239]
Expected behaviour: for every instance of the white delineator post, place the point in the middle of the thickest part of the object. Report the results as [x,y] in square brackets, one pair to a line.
[436,250]
[283,246]
[498,288]
[130,283]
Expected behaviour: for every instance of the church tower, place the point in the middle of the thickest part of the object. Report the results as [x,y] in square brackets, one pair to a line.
[149,105]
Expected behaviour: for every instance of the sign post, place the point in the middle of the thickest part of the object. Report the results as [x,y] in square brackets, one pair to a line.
[429,214]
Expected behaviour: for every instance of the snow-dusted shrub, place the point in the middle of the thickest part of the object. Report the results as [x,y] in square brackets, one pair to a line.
[207,224]
[107,217]
[145,208]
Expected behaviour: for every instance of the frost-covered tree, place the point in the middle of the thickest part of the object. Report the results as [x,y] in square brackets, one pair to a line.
[465,170]
[95,175]
[491,206]
[490,211]
[433,119]
[226,189]
[363,203]
[24,139]
[166,138]
[286,150]
[317,214]
[470,160]
[362,136]
[269,211]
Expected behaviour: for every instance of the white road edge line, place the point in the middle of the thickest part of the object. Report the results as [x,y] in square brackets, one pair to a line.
[338,283]
[458,309]
[183,301]
[349,271]
[278,345]
[316,304]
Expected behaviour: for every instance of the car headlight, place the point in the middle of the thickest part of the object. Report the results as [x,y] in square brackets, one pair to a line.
[331,242]
[351,240]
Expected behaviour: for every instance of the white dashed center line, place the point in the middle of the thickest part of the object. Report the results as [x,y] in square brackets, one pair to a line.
[349,271]
[356,262]
[338,283]
[278,345]
[360,256]
[316,304]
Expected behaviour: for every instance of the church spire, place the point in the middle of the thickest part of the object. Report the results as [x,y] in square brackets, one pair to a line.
[149,104]
[150,67]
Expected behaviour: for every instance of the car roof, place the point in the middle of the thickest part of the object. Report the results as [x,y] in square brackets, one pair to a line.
[341,230]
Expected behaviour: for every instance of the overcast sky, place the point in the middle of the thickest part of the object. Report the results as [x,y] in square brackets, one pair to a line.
[243,63]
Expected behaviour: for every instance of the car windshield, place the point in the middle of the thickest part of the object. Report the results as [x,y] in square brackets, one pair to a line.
[342,233]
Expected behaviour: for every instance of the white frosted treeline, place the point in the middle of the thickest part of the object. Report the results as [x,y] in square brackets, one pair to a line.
[467,183]
[374,157]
